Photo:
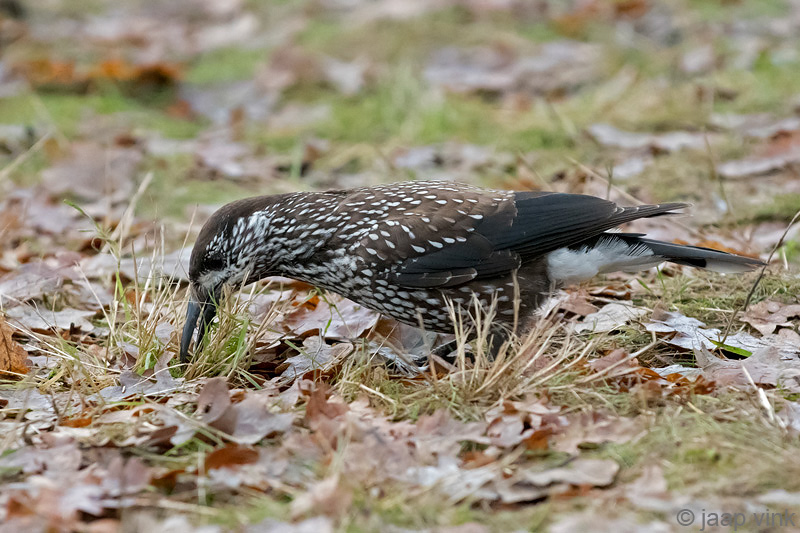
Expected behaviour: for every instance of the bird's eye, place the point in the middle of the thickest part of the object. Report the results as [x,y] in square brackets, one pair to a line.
[214,263]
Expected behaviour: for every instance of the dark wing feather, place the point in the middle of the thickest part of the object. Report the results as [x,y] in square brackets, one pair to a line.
[547,222]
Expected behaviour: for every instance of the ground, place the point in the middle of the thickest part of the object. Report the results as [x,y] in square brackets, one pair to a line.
[660,401]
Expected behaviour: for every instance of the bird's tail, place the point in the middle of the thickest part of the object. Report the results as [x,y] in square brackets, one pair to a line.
[696,256]
[629,252]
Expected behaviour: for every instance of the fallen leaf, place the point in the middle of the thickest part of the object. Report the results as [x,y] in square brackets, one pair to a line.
[13,358]
[132,384]
[650,490]
[755,166]
[214,400]
[608,135]
[528,485]
[611,317]
[688,333]
[769,315]
[559,65]
[577,303]
[595,472]
[597,428]
[512,423]
[94,172]
[328,496]
[254,421]
[619,359]
[231,455]
[339,319]
[756,125]
[43,320]
[781,150]
[315,356]
[765,367]
[29,282]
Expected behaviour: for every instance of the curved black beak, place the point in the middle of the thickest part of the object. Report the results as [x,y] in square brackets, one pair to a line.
[206,312]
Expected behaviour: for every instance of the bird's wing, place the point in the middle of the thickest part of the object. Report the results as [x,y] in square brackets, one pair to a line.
[546,222]
[445,237]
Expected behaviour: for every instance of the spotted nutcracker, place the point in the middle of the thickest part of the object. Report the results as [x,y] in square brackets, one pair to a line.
[407,249]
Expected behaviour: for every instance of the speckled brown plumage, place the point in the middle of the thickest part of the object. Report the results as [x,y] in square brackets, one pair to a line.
[406,249]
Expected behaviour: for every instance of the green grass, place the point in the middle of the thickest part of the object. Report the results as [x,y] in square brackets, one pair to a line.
[225,65]
[69,112]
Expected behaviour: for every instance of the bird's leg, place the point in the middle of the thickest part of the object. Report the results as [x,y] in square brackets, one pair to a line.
[497,339]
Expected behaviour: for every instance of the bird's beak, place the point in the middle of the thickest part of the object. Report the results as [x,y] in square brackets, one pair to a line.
[205,311]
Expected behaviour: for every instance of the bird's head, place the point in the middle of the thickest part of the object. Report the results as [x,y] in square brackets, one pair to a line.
[230,251]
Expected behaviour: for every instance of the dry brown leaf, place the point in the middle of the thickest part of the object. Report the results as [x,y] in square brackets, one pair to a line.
[44,321]
[254,421]
[608,135]
[650,491]
[689,334]
[559,65]
[315,356]
[769,315]
[610,317]
[328,496]
[619,359]
[92,171]
[779,152]
[13,358]
[529,485]
[28,282]
[339,319]
[577,302]
[531,421]
[231,455]
[597,428]
[765,367]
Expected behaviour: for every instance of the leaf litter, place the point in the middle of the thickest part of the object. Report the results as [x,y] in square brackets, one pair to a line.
[93,418]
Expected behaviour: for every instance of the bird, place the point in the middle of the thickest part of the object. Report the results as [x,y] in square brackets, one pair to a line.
[416,250]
